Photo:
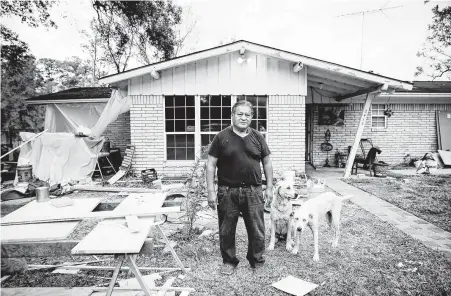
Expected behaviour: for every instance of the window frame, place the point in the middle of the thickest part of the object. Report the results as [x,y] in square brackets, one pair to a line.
[197,121]
[178,133]
[378,116]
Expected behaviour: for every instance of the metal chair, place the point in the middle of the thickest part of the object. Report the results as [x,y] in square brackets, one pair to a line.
[368,161]
[103,155]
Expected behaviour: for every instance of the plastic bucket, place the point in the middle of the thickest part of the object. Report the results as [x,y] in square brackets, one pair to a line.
[24,173]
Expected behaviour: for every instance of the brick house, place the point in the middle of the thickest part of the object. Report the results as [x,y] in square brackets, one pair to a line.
[178,105]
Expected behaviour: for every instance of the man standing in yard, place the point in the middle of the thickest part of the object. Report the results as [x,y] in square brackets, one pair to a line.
[237,152]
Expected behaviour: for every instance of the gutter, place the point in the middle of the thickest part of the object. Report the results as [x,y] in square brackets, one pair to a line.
[71,101]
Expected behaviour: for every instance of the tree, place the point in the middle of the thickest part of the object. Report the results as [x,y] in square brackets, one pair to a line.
[437,49]
[33,13]
[54,75]
[17,84]
[142,27]
[18,67]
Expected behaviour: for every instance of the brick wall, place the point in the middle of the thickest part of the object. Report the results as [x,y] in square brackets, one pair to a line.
[147,134]
[286,128]
[118,132]
[412,129]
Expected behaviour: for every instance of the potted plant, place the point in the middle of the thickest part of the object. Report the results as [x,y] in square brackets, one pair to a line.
[388,112]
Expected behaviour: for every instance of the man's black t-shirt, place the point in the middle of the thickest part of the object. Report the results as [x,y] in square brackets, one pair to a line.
[239,157]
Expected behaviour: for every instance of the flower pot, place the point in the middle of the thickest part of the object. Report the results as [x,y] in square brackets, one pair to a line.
[380,169]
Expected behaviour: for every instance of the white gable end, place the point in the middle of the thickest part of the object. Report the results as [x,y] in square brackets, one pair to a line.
[224,74]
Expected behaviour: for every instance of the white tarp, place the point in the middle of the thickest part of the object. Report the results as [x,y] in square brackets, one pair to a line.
[59,156]
[60,118]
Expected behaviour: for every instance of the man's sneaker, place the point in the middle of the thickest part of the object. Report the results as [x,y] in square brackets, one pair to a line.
[227,269]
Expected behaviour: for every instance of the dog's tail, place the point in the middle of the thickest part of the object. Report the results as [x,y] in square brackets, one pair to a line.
[345,197]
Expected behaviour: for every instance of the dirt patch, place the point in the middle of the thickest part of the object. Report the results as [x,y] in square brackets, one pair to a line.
[427,197]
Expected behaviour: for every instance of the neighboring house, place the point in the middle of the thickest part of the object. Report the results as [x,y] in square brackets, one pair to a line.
[75,105]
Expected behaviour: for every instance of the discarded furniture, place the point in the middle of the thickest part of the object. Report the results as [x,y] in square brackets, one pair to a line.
[125,166]
[368,161]
[365,145]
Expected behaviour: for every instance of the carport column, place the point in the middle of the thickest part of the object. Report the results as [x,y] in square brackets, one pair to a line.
[286,129]
[358,135]
[147,132]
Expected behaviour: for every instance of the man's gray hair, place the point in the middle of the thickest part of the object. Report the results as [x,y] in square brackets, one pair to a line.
[243,103]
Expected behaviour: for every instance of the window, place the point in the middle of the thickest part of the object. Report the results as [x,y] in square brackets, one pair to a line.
[179,127]
[260,119]
[215,112]
[378,119]
[191,122]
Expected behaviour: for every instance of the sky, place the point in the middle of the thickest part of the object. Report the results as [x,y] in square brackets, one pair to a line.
[330,30]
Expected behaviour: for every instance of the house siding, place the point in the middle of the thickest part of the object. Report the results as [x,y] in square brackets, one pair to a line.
[118,132]
[411,130]
[259,74]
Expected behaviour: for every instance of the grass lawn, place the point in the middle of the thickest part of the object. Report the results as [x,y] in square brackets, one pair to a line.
[427,197]
[373,258]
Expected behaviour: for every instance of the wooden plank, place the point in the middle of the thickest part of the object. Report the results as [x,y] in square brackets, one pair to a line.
[114,189]
[97,215]
[39,210]
[114,237]
[32,291]
[358,135]
[138,203]
[34,232]
[54,249]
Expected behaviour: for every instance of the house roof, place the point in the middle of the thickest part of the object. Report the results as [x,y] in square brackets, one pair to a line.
[335,80]
[79,94]
[431,87]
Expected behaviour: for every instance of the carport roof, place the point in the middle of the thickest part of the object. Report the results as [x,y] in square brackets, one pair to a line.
[79,94]
[334,80]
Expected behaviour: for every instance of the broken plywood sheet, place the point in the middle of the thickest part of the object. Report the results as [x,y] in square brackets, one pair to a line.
[294,286]
[112,236]
[46,291]
[41,210]
[37,232]
[141,203]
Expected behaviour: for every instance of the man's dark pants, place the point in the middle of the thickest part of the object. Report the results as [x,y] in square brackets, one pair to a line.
[249,201]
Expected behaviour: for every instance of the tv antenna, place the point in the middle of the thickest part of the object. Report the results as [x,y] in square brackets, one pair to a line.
[363,20]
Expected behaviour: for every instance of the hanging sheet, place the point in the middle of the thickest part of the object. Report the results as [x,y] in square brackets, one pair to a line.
[59,156]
